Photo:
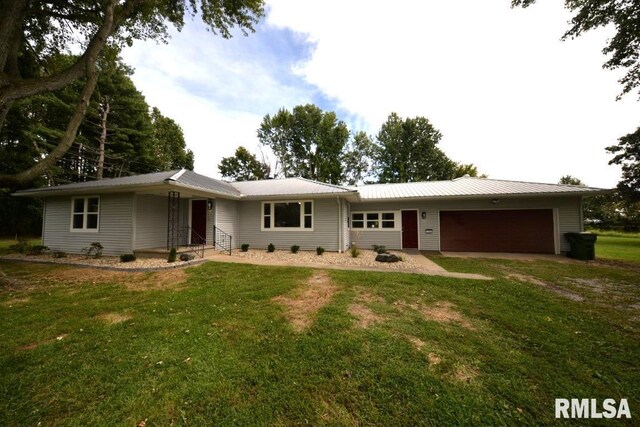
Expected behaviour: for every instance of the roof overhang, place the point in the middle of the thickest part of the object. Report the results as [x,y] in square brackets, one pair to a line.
[489,196]
[165,186]
[351,196]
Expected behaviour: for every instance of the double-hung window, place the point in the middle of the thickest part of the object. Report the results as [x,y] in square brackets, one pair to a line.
[374,220]
[287,215]
[85,213]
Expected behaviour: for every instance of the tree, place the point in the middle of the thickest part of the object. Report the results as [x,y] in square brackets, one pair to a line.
[407,151]
[168,149]
[461,169]
[627,154]
[306,142]
[118,136]
[243,166]
[570,180]
[623,47]
[33,32]
[357,158]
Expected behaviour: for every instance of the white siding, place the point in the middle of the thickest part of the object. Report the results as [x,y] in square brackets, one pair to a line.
[568,209]
[115,229]
[325,228]
[226,219]
[151,221]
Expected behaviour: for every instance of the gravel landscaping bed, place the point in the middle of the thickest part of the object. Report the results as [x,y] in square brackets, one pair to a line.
[366,259]
[104,261]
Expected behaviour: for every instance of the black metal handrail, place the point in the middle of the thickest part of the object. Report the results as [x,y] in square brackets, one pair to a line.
[189,238]
[222,240]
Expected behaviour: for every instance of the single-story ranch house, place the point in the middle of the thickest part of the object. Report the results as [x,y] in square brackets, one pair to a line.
[177,208]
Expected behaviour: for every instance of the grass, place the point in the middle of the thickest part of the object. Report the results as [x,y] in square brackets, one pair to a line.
[7,242]
[619,246]
[217,350]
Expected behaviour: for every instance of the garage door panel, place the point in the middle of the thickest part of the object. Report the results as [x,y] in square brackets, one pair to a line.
[524,231]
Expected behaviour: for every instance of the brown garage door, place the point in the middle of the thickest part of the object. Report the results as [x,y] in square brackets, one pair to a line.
[525,231]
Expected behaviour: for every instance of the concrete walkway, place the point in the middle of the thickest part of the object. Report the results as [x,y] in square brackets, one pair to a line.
[425,266]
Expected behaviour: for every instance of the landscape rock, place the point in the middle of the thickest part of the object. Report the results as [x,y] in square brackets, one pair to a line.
[387,258]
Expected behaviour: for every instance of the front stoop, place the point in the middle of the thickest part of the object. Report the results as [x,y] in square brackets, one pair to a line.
[164,253]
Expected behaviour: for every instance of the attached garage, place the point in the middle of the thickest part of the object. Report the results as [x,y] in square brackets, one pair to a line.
[518,230]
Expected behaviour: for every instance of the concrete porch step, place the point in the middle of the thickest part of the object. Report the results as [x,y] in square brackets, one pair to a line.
[164,252]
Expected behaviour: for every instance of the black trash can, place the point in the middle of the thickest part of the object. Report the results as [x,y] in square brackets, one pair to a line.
[583,245]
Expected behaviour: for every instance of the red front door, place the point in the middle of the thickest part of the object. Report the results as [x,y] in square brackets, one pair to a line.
[409,229]
[198,221]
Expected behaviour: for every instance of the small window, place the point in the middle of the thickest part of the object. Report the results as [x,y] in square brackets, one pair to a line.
[357,220]
[85,213]
[388,220]
[267,215]
[308,215]
[373,220]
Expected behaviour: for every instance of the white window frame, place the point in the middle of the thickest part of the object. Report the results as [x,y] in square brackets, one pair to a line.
[396,220]
[85,213]
[272,215]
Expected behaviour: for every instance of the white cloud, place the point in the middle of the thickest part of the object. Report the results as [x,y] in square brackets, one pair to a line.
[507,94]
[213,88]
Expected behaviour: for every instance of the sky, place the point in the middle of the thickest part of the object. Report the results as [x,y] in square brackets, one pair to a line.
[505,92]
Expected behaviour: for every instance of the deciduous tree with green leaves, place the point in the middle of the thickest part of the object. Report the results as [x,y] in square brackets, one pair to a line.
[623,52]
[306,142]
[407,151]
[31,33]
[627,155]
[243,166]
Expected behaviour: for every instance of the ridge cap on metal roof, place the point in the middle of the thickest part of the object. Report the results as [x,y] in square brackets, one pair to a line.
[176,175]
[323,183]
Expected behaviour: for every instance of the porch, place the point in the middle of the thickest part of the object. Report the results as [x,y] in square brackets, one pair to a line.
[182,220]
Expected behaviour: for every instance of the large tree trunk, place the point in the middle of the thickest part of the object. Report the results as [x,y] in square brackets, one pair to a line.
[40,168]
[86,65]
[12,14]
[13,89]
[106,107]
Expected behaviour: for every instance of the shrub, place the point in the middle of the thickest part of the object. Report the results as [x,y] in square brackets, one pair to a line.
[173,254]
[37,250]
[94,250]
[22,247]
[59,254]
[294,249]
[127,257]
[271,247]
[355,251]
[244,247]
[187,257]
[319,250]
[379,249]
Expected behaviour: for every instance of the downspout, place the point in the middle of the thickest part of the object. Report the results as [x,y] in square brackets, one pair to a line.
[339,225]
[44,224]
[581,214]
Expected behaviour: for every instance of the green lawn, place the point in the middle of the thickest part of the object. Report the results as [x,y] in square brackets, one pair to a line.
[618,246]
[7,242]
[80,347]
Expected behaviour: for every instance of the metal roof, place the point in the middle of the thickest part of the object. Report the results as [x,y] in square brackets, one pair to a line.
[180,178]
[288,187]
[466,187]
[461,187]
[195,180]
[146,179]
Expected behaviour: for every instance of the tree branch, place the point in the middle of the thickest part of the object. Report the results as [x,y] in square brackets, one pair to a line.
[16,89]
